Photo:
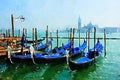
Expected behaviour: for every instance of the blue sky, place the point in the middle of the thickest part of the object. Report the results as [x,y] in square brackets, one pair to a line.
[59,13]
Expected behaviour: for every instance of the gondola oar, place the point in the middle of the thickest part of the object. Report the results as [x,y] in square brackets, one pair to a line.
[32,51]
[9,54]
[67,59]
[23,41]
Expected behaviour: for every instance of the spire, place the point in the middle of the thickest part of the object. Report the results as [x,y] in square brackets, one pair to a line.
[79,23]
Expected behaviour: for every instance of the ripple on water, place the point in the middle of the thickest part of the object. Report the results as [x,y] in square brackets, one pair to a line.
[105,72]
[36,75]
[64,75]
[3,67]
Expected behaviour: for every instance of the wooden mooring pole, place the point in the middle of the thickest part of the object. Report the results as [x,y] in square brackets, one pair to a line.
[88,39]
[25,32]
[73,37]
[47,36]
[57,37]
[86,35]
[19,33]
[12,20]
[33,36]
[8,32]
[26,35]
[68,36]
[104,43]
[36,35]
[51,40]
[94,44]
[79,36]
[70,41]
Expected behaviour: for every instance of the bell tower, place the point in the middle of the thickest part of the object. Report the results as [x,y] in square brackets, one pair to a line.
[79,23]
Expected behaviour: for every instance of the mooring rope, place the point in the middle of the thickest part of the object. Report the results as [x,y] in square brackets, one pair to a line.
[32,51]
[9,54]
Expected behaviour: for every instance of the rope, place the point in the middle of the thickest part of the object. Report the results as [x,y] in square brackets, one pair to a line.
[9,54]
[32,51]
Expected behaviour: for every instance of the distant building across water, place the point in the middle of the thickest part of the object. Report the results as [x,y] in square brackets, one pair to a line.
[91,26]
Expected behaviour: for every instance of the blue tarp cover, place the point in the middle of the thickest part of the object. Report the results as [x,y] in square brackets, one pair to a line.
[48,56]
[43,45]
[76,50]
[22,56]
[83,60]
[98,48]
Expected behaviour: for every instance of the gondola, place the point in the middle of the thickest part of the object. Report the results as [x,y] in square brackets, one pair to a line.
[39,40]
[42,47]
[56,55]
[87,59]
[39,46]
[60,54]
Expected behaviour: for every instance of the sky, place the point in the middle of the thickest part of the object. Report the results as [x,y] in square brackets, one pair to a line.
[58,14]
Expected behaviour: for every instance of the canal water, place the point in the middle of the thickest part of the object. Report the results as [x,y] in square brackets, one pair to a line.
[107,68]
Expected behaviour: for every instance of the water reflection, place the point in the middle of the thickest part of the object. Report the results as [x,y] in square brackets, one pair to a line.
[3,67]
[64,75]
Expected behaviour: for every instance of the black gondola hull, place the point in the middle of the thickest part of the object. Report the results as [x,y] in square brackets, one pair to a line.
[79,66]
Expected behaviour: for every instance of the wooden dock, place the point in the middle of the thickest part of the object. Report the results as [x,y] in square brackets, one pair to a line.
[3,51]
[5,41]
